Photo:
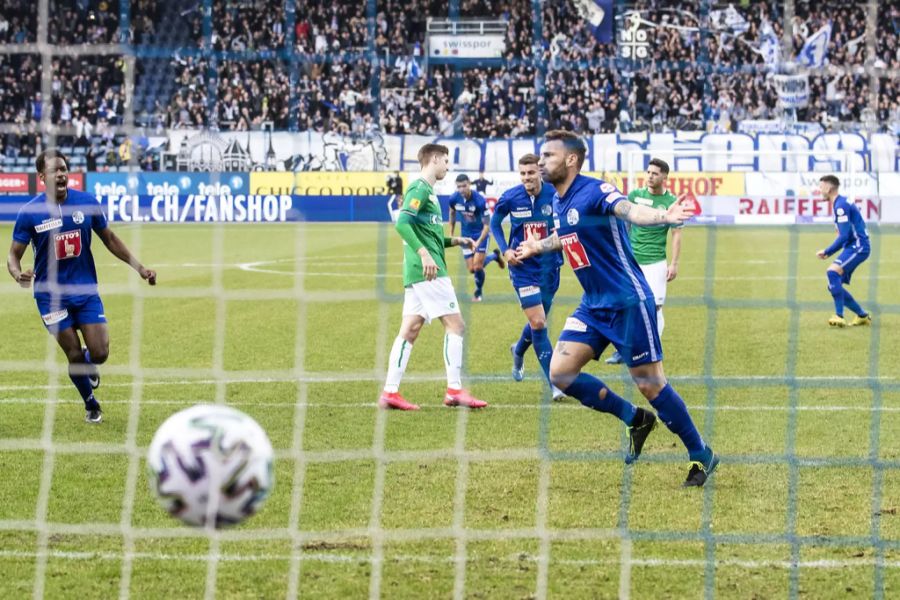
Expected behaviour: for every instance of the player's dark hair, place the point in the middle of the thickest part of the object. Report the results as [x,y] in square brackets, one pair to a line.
[40,162]
[429,150]
[663,165]
[571,141]
[529,159]
[461,178]
[831,179]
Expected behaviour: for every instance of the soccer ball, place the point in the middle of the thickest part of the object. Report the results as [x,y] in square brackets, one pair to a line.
[210,462]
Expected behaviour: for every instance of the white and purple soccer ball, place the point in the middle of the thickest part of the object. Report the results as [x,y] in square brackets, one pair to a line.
[210,462]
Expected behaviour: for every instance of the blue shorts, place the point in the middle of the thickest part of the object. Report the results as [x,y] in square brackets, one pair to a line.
[849,259]
[70,311]
[535,288]
[482,247]
[631,330]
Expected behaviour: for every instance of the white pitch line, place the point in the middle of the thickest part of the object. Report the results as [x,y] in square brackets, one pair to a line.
[567,405]
[333,557]
[377,376]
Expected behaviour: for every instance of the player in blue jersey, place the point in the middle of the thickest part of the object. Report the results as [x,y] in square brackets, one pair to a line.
[617,307]
[469,207]
[59,225]
[853,243]
[535,280]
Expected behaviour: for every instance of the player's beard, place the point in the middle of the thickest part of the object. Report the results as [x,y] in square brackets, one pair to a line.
[554,177]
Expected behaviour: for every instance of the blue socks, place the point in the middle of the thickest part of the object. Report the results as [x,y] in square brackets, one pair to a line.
[479,281]
[524,340]
[853,305]
[83,384]
[837,292]
[542,349]
[672,411]
[587,389]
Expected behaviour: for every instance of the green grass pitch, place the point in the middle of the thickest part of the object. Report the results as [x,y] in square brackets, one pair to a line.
[292,324]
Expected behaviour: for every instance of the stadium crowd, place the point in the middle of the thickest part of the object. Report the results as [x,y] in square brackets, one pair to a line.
[705,70]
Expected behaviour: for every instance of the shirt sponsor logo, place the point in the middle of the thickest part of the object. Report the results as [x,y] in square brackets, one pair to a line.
[573,324]
[529,290]
[546,210]
[572,216]
[521,214]
[644,201]
[535,231]
[67,244]
[614,196]
[574,251]
[78,217]
[843,219]
[48,225]
[55,317]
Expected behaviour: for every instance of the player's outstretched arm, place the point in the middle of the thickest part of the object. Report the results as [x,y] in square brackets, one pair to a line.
[638,214]
[532,247]
[14,265]
[121,251]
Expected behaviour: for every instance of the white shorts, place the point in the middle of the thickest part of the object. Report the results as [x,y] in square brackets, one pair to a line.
[430,299]
[655,274]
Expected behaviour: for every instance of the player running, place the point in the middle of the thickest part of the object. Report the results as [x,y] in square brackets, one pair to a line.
[429,292]
[853,242]
[474,223]
[649,243]
[59,224]
[617,306]
[529,207]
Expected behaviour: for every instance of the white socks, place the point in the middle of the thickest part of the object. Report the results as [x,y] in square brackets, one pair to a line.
[400,352]
[453,354]
[660,321]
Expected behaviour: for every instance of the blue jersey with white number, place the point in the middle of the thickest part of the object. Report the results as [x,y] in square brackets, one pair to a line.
[851,227]
[595,244]
[471,213]
[60,235]
[529,217]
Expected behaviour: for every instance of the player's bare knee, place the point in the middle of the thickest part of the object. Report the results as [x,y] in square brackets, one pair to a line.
[562,378]
[99,355]
[649,387]
[74,355]
[538,323]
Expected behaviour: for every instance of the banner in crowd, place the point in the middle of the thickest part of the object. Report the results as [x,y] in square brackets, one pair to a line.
[754,197]
[466,46]
[771,150]
[793,90]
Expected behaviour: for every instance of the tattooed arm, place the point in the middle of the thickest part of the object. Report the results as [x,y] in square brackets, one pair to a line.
[644,215]
[531,247]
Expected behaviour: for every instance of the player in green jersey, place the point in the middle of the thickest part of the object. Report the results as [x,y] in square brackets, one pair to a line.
[428,291]
[649,243]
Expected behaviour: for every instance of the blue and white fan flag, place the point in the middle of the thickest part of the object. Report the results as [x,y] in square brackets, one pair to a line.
[815,48]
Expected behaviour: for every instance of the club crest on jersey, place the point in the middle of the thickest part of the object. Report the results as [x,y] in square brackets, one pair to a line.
[546,210]
[78,217]
[48,224]
[67,244]
[521,214]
